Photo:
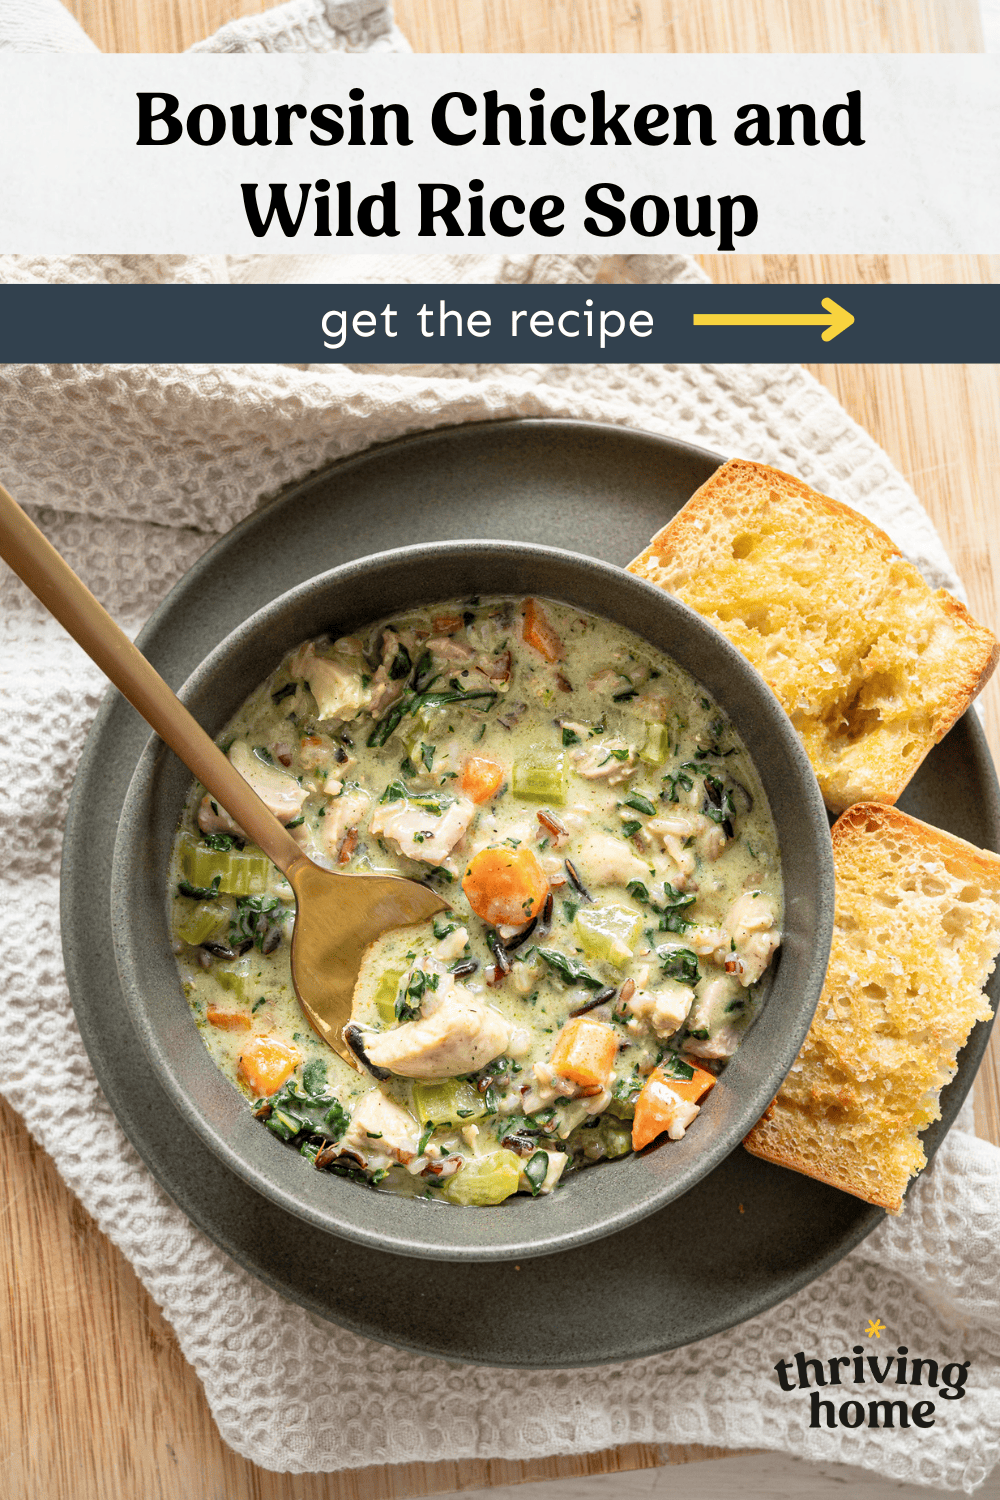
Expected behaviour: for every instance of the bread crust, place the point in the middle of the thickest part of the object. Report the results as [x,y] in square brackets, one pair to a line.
[671,541]
[906,664]
[761,1143]
[822,1130]
[876,819]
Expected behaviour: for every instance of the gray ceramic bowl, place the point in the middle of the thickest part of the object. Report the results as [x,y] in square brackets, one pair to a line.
[604,1198]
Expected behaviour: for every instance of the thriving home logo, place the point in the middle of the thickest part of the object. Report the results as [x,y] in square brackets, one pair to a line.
[860,1369]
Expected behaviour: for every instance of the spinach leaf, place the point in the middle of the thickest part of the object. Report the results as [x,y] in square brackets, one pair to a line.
[672,918]
[386,727]
[536,1170]
[260,919]
[627,1090]
[421,681]
[569,970]
[680,964]
[410,999]
[296,1112]
[222,842]
[199,892]
[396,791]
[401,664]
[719,805]
[437,700]
[675,1067]
[672,782]
[314,1075]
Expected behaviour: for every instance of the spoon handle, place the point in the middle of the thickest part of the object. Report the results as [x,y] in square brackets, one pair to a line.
[52,580]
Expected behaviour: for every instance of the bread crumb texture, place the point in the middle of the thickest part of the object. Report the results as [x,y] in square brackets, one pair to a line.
[871,666]
[916,934]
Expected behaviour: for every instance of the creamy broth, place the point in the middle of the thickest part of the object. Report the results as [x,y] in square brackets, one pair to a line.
[607,849]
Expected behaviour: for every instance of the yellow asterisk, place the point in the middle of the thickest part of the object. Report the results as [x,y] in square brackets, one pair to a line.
[875,1330]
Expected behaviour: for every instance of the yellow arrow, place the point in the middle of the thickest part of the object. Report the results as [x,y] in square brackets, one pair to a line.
[835,319]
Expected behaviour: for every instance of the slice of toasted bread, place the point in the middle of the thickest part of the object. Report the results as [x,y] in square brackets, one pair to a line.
[916,933]
[871,666]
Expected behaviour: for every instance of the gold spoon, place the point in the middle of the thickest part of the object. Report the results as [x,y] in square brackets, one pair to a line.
[337,915]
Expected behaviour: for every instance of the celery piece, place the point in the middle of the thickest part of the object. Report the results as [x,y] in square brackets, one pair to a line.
[242,978]
[453,1102]
[657,746]
[385,995]
[622,1109]
[608,932]
[485,1179]
[198,923]
[615,1137]
[623,1096]
[241,872]
[540,777]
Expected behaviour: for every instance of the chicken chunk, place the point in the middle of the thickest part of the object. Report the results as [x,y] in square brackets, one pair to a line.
[684,835]
[342,813]
[385,691]
[420,833]
[664,1009]
[318,752]
[712,1013]
[455,1034]
[447,649]
[608,682]
[280,793]
[605,860]
[453,946]
[605,760]
[336,684]
[749,937]
[381,1132]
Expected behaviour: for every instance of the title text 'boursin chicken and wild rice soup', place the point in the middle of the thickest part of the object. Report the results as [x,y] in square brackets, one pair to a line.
[611,860]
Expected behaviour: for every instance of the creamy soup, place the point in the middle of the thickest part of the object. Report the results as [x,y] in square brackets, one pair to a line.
[612,867]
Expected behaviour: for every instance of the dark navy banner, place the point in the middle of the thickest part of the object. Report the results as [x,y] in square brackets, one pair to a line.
[386,324]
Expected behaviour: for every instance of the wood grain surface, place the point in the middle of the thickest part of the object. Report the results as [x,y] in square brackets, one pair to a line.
[98,1401]
[584,25]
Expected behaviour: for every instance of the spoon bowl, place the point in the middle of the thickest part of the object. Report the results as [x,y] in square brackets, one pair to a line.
[337,917]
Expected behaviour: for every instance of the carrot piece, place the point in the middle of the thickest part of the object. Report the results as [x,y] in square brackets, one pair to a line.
[481,777]
[228,1020]
[657,1105]
[447,624]
[585,1051]
[266,1063]
[538,632]
[505,885]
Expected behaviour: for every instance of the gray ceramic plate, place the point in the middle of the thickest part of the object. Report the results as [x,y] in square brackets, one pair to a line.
[761,1232]
[609,1197]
